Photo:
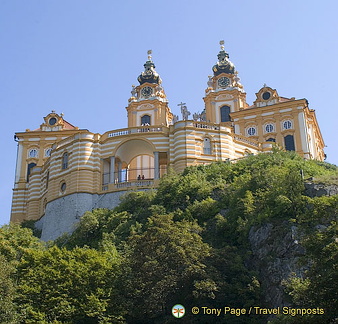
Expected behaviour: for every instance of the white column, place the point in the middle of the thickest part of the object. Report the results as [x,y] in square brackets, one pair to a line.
[156,165]
[18,162]
[112,169]
[303,134]
[127,174]
[119,170]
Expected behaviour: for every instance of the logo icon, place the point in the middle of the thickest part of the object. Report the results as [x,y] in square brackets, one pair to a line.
[178,311]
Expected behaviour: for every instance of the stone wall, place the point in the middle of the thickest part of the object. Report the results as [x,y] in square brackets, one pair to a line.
[63,213]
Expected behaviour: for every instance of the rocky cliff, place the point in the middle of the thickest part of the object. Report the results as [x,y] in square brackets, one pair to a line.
[276,250]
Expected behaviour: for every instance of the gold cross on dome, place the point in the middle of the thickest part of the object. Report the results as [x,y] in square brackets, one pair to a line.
[222,44]
[149,54]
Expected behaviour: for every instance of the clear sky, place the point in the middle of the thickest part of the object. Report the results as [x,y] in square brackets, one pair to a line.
[81,57]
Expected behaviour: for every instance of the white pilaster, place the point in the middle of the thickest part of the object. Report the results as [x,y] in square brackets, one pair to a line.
[18,162]
[156,165]
[112,169]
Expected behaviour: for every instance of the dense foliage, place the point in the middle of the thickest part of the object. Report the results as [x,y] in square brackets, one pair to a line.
[185,243]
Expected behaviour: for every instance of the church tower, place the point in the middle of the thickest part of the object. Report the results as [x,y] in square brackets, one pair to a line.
[224,94]
[148,104]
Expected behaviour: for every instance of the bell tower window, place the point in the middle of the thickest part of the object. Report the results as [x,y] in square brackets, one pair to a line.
[225,113]
[145,120]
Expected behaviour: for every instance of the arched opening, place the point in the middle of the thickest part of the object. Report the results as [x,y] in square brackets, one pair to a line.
[207,146]
[132,161]
[65,161]
[271,139]
[225,114]
[145,120]
[141,167]
[29,169]
[289,143]
[47,180]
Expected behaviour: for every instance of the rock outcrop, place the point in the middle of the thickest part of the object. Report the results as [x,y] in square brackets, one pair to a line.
[276,250]
[275,255]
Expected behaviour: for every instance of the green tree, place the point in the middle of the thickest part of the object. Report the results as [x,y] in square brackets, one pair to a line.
[8,312]
[15,240]
[164,265]
[69,286]
[319,288]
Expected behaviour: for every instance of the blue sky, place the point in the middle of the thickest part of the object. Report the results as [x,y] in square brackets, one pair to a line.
[81,57]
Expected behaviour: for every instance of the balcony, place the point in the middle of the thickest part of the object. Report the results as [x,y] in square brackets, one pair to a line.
[135,130]
[132,179]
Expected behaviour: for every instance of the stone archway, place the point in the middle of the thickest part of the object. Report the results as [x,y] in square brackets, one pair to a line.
[134,159]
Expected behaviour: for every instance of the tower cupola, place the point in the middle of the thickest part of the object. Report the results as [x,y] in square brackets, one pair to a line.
[148,104]
[224,65]
[149,74]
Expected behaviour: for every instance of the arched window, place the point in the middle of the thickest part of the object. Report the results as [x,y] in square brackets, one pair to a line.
[44,204]
[145,120]
[287,124]
[225,114]
[47,180]
[63,187]
[251,131]
[271,139]
[65,161]
[289,143]
[29,168]
[48,151]
[33,153]
[206,146]
[269,128]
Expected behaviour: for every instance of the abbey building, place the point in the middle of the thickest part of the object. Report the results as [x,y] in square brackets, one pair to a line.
[62,170]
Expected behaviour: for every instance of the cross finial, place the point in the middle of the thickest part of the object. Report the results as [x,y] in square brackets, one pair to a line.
[264,85]
[222,44]
[149,54]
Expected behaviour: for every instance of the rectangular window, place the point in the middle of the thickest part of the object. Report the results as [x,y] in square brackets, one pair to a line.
[289,143]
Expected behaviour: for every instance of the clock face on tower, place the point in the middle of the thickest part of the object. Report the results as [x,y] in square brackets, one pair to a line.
[147,92]
[223,82]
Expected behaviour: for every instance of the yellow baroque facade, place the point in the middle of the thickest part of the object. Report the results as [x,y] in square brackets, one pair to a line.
[60,166]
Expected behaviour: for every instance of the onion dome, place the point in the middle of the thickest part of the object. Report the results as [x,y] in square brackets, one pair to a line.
[224,65]
[149,75]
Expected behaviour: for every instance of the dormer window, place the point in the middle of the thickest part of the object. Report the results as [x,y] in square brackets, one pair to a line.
[52,121]
[266,95]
